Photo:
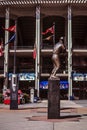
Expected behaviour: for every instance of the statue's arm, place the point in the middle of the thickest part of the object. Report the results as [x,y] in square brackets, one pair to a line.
[64,49]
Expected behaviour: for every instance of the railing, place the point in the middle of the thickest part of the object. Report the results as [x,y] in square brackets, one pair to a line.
[32,47]
[79,47]
[22,47]
[46,46]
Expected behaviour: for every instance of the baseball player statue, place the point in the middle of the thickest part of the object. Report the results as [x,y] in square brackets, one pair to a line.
[58,49]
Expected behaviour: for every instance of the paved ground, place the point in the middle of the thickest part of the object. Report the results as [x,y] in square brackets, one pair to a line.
[33,116]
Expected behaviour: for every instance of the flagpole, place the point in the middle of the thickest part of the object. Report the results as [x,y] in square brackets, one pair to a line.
[15,44]
[54,33]
[14,79]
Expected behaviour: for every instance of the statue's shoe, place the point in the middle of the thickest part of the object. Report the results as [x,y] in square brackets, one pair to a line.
[54,77]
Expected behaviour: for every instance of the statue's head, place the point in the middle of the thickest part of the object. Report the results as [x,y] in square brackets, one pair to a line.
[62,39]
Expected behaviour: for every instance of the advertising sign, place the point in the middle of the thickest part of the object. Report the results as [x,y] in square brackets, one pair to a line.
[79,77]
[24,76]
[63,84]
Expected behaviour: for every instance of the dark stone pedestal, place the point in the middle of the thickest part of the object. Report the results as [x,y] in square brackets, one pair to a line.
[53,98]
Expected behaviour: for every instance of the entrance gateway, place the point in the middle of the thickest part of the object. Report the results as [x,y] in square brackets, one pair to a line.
[79,3]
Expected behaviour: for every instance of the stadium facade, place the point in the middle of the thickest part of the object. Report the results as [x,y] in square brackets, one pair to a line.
[31,18]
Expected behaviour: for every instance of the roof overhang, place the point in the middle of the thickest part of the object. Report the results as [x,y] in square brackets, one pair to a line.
[29,2]
[20,8]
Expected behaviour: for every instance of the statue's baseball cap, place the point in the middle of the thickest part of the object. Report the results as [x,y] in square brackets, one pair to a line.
[61,38]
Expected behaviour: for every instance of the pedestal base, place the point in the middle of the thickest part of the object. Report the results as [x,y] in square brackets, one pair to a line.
[53,98]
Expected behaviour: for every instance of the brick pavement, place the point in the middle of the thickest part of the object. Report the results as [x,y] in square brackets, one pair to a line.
[34,117]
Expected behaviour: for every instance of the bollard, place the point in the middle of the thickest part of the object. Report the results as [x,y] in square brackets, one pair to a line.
[32,95]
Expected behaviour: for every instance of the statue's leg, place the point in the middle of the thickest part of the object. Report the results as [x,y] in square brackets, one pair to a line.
[56,65]
[53,69]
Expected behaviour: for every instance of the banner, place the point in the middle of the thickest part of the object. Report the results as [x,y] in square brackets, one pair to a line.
[48,38]
[10,29]
[51,30]
[34,53]
[1,49]
[12,38]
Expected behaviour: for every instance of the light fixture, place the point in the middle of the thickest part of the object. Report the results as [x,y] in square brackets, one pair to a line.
[52,1]
[17,2]
[44,1]
[14,2]
[85,1]
[57,1]
[25,2]
[20,2]
[47,1]
[62,1]
[30,2]
[36,1]
[74,1]
[65,1]
[7,2]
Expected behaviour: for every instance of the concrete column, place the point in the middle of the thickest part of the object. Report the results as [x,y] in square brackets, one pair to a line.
[37,42]
[5,86]
[70,52]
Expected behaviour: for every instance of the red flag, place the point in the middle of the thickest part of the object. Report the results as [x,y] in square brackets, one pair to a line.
[48,38]
[1,49]
[10,29]
[51,30]
[34,53]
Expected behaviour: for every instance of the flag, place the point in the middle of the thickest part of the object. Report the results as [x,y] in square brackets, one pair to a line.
[48,38]
[1,49]
[34,52]
[12,38]
[51,30]
[10,29]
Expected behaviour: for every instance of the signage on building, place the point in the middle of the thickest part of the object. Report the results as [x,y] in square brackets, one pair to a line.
[24,76]
[80,77]
[63,84]
[85,76]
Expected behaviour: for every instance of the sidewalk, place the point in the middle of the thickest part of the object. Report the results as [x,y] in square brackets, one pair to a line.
[33,116]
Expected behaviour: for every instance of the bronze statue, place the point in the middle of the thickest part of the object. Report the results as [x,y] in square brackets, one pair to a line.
[58,48]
